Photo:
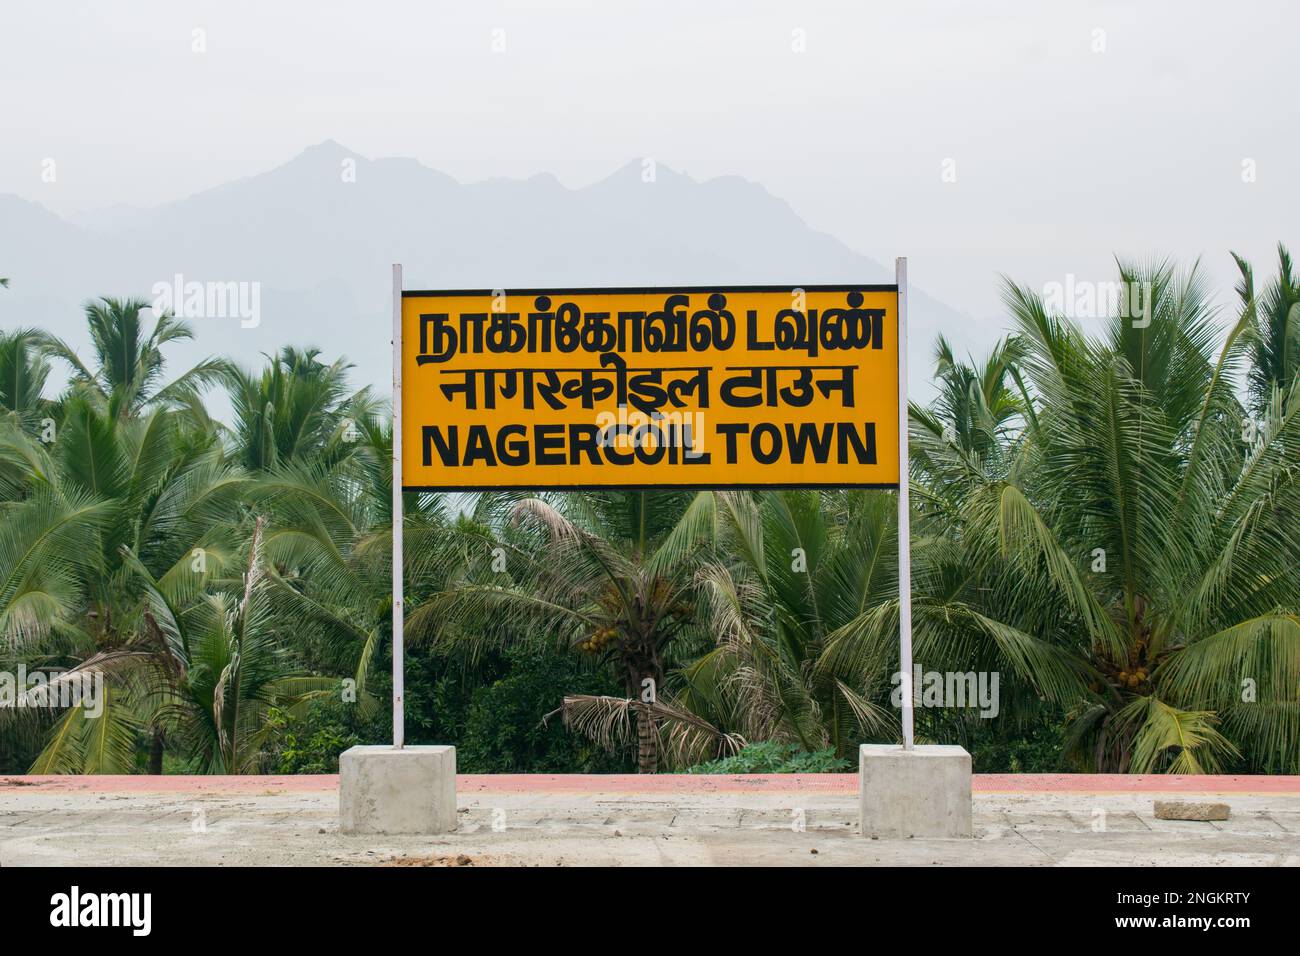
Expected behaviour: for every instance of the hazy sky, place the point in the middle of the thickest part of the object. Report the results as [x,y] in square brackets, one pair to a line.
[1075,131]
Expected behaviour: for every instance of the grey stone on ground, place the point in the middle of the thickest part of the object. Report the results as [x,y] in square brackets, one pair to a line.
[1190,810]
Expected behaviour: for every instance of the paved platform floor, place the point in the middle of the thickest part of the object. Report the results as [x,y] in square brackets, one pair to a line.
[620,821]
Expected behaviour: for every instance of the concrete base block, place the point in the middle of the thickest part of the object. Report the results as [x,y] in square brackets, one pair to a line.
[384,790]
[922,792]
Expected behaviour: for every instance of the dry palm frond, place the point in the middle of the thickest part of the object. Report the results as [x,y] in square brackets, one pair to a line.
[557,525]
[685,739]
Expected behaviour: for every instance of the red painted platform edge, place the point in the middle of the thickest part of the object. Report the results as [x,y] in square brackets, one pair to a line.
[663,783]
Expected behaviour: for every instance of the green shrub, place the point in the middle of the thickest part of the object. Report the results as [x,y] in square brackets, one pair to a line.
[492,713]
[312,741]
[503,730]
[772,757]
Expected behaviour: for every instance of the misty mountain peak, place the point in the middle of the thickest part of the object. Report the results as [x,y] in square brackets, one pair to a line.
[646,170]
[317,236]
[326,150]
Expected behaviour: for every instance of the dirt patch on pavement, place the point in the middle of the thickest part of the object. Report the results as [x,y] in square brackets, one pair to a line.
[460,859]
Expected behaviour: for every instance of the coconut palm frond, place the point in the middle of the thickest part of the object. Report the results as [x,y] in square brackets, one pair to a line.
[609,722]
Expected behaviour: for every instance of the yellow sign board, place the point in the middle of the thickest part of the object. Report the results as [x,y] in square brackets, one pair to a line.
[724,386]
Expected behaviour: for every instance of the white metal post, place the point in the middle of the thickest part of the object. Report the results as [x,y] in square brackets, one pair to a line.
[904,517]
[399,678]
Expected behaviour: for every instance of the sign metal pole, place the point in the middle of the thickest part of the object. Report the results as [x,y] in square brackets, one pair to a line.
[399,681]
[904,517]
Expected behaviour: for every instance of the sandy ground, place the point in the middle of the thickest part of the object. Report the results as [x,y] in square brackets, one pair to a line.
[274,823]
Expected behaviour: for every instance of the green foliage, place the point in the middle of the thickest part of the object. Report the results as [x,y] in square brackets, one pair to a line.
[1107,521]
[492,713]
[493,708]
[311,741]
[773,757]
[504,731]
[1036,748]
[611,576]
[792,570]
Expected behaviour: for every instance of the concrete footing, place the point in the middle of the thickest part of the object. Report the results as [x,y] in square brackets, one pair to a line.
[385,790]
[922,792]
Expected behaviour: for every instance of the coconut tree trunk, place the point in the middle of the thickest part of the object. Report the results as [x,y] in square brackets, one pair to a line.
[647,755]
[156,752]
[643,675]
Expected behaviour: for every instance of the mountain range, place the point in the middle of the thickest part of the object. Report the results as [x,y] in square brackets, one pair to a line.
[319,233]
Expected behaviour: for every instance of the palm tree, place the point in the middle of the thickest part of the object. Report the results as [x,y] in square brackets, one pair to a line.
[609,575]
[974,610]
[1131,560]
[792,568]
[44,561]
[224,667]
[329,551]
[141,492]
[981,407]
[971,433]
[129,360]
[1275,326]
[23,373]
[297,409]
[1106,521]
[163,510]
